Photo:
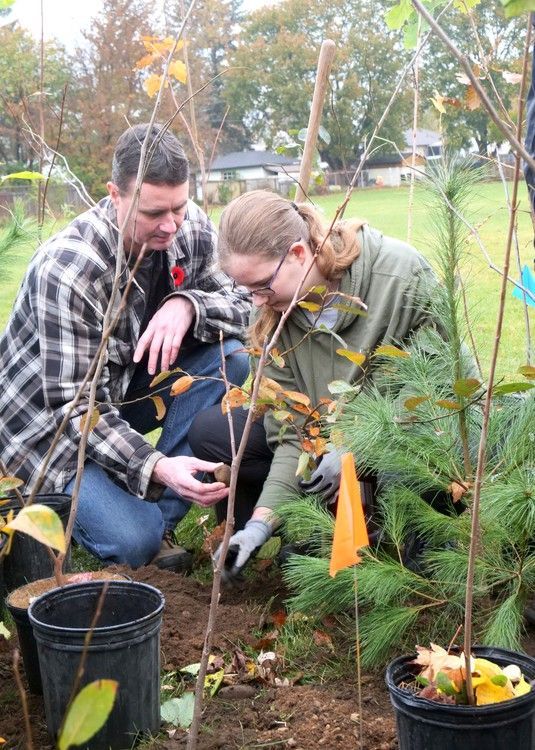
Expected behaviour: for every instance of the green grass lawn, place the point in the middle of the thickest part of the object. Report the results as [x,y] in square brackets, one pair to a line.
[386,209]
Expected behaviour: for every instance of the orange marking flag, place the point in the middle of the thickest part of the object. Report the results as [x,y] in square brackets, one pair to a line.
[350,532]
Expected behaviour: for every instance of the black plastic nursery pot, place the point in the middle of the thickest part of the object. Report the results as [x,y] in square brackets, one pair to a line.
[28,559]
[28,647]
[125,646]
[427,725]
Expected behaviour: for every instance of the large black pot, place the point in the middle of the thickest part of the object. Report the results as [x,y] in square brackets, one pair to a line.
[427,725]
[125,646]
[28,559]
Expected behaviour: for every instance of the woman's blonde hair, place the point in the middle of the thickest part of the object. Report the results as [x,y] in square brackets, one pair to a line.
[264,223]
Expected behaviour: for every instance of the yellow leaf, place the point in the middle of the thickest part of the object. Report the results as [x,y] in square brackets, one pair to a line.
[159,378]
[269,389]
[88,713]
[487,692]
[528,371]
[466,387]
[391,351]
[522,687]
[310,306]
[95,416]
[41,523]
[181,385]
[357,357]
[438,102]
[152,84]
[177,69]
[160,407]
[4,632]
[213,681]
[145,61]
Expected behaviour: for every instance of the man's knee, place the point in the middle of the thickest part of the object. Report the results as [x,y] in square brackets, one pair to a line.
[236,362]
[209,428]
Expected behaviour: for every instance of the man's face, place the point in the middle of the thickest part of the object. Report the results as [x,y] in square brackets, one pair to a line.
[161,209]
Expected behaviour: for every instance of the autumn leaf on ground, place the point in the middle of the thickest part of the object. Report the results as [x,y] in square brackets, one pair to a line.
[323,639]
[214,539]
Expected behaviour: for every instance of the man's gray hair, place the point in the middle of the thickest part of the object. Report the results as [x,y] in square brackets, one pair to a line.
[166,164]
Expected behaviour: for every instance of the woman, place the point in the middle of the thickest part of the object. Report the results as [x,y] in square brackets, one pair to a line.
[266,243]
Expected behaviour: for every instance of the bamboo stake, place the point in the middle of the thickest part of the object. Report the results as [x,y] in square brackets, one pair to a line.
[322,78]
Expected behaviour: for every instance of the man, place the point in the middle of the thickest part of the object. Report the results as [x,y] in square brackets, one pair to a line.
[176,307]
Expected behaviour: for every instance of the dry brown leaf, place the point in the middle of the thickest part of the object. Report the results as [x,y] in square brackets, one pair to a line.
[471,98]
[214,539]
[323,639]
[160,407]
[457,490]
[434,660]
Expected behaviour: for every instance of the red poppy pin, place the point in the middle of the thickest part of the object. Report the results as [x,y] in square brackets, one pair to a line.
[178,275]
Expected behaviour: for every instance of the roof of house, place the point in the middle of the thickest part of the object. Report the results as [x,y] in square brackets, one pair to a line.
[241,159]
[423,137]
[383,160]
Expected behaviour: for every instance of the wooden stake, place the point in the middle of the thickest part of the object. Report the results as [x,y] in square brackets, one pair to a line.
[322,78]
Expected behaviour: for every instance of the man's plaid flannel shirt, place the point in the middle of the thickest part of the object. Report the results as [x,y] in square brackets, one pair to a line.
[56,327]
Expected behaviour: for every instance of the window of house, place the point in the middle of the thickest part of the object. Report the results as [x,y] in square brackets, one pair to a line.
[229,174]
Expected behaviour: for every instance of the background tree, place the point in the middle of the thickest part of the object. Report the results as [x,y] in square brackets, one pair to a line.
[211,35]
[502,43]
[271,80]
[19,100]
[108,92]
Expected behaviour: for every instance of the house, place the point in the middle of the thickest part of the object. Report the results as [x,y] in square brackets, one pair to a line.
[235,173]
[428,143]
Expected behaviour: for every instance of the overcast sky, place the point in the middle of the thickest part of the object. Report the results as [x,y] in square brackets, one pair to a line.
[65,18]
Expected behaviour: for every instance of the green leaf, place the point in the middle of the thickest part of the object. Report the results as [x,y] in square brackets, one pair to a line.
[179,711]
[41,523]
[192,668]
[318,289]
[445,684]
[499,679]
[465,5]
[303,465]
[516,7]
[5,4]
[281,414]
[399,14]
[337,387]
[4,632]
[349,309]
[88,713]
[421,680]
[270,549]
[499,390]
[324,134]
[9,483]
[466,387]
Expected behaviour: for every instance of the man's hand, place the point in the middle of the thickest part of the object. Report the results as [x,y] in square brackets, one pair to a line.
[177,474]
[242,544]
[325,479]
[165,332]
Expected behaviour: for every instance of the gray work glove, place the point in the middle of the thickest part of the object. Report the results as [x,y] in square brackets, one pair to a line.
[325,479]
[242,545]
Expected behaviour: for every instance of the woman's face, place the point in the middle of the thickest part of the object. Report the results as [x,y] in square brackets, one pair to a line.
[273,281]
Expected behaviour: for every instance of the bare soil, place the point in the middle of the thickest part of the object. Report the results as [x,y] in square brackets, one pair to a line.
[252,715]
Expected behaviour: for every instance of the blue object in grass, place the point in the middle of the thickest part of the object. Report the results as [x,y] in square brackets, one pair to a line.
[528,282]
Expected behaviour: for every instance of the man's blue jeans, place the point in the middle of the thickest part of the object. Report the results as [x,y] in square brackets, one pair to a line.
[119,527]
